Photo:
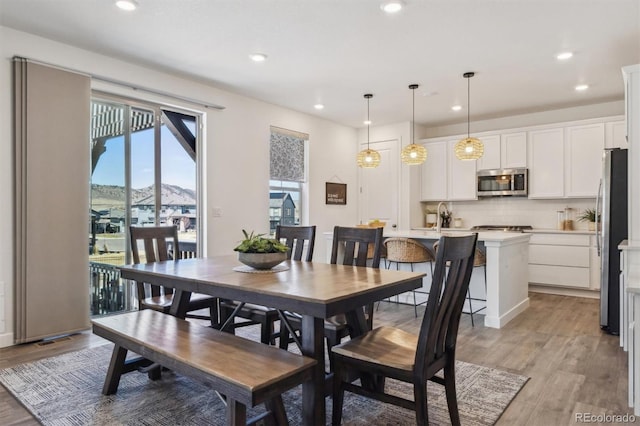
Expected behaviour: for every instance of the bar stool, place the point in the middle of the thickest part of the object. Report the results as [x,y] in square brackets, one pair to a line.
[479,260]
[407,250]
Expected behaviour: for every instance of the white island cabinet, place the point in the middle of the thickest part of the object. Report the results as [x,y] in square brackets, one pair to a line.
[507,256]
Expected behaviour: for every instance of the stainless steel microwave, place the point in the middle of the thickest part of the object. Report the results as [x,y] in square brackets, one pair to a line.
[502,182]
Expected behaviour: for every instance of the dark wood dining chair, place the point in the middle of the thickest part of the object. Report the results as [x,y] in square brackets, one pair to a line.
[394,353]
[160,243]
[296,238]
[351,246]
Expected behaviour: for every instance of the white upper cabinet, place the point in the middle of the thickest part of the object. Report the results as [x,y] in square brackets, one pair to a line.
[545,151]
[505,151]
[513,150]
[462,176]
[444,177]
[615,134]
[583,166]
[434,172]
[564,160]
[491,157]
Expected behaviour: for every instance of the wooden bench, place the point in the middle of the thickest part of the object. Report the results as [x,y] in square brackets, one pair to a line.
[247,373]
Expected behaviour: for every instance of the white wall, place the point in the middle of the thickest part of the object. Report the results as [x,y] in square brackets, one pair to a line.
[236,152]
[541,214]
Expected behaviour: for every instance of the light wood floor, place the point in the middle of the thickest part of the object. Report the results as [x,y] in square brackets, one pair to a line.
[557,342]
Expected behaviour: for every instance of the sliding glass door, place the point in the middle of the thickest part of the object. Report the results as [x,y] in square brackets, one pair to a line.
[143,173]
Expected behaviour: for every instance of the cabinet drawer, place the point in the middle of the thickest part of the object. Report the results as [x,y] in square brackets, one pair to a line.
[559,255]
[559,275]
[560,239]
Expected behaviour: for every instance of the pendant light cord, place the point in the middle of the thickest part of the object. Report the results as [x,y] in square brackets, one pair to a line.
[413,117]
[468,107]
[368,123]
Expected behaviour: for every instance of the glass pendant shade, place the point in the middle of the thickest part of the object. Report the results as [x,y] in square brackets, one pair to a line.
[368,158]
[413,154]
[469,148]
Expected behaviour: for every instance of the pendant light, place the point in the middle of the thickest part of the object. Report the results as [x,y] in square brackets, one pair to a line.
[413,154]
[368,158]
[469,148]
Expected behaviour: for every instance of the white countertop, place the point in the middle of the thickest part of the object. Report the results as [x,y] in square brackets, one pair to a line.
[528,231]
[482,236]
[629,245]
[558,231]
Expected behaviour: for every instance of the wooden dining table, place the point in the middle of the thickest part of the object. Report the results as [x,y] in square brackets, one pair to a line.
[314,290]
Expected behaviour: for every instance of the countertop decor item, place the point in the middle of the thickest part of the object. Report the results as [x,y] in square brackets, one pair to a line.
[589,215]
[445,216]
[413,154]
[469,148]
[368,158]
[259,252]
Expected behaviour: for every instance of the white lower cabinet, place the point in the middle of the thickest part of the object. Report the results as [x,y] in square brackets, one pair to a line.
[562,260]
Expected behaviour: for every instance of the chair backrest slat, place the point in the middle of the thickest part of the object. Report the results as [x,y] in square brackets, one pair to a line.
[296,237]
[357,242]
[451,276]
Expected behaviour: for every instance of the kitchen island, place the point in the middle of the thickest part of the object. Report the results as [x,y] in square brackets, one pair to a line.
[507,269]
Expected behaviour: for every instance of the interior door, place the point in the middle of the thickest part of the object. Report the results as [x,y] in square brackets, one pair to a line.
[379,191]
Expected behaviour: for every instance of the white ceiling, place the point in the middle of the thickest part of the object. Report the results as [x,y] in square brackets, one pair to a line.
[335,51]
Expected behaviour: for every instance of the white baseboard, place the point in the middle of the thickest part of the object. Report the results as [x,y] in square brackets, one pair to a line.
[499,322]
[6,340]
[564,291]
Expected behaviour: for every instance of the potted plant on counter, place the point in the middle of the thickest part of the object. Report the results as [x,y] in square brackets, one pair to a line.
[260,252]
[589,215]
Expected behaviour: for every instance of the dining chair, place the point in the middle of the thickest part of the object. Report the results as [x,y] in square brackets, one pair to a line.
[388,352]
[296,238]
[156,241]
[351,246]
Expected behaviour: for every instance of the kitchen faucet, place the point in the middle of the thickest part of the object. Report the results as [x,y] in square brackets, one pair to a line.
[439,218]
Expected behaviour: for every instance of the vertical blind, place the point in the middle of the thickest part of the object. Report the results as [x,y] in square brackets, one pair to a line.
[52,115]
[287,155]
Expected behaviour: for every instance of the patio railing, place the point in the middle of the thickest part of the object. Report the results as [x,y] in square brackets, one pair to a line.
[109,293]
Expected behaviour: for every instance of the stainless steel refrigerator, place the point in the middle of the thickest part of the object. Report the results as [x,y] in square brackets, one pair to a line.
[612,229]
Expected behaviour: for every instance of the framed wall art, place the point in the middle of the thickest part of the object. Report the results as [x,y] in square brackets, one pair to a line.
[336,193]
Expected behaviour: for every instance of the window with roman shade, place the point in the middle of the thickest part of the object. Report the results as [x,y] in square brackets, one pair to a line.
[287,175]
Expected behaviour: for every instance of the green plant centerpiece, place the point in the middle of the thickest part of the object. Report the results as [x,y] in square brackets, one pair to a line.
[260,252]
[589,215]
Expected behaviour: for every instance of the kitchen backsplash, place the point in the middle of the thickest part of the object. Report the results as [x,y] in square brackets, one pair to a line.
[515,211]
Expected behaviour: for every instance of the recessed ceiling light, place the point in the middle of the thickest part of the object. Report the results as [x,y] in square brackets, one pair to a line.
[456,107]
[258,57]
[127,4]
[318,106]
[367,122]
[582,87]
[564,56]
[392,6]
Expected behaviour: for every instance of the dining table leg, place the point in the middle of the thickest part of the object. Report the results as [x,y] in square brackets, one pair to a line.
[313,401]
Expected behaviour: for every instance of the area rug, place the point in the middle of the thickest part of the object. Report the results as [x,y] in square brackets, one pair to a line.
[66,390]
